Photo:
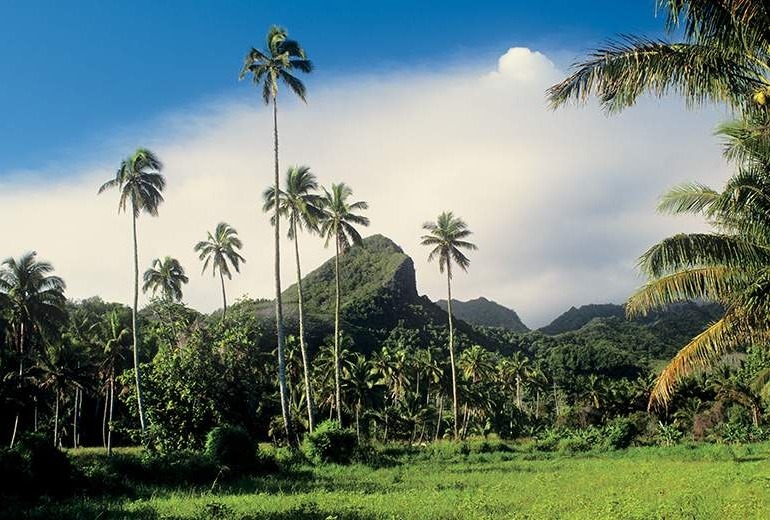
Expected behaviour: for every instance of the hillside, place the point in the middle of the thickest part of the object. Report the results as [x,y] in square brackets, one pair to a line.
[575,318]
[485,313]
[379,294]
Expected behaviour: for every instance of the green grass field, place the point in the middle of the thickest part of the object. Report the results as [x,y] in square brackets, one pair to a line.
[708,481]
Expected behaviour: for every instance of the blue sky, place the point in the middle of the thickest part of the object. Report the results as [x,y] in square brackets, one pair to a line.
[77,72]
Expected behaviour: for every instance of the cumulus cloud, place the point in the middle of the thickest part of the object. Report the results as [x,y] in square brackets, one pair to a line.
[561,203]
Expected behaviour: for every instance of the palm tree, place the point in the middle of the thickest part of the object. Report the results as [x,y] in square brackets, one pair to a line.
[141,185]
[166,276]
[302,207]
[221,251]
[115,337]
[34,300]
[359,380]
[337,223]
[282,58]
[446,237]
[730,266]
[724,57]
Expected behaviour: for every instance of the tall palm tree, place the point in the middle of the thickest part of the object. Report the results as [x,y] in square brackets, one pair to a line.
[301,206]
[34,300]
[730,266]
[141,185]
[337,223]
[282,58]
[221,251]
[446,237]
[724,56]
[166,276]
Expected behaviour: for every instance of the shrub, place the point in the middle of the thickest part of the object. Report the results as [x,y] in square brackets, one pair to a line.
[330,443]
[231,447]
[13,473]
[47,467]
[618,434]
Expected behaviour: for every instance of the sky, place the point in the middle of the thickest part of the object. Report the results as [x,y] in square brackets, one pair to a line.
[419,106]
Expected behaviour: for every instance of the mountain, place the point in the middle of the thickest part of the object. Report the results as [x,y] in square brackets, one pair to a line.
[379,294]
[575,318]
[485,313]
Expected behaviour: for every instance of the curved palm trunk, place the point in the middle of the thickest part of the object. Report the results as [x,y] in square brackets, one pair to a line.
[224,295]
[137,374]
[337,371]
[21,373]
[303,350]
[284,391]
[452,348]
[112,407]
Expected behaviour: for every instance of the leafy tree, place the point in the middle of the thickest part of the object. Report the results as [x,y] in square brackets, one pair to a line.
[282,58]
[301,206]
[166,276]
[337,223]
[34,300]
[446,237]
[220,251]
[141,185]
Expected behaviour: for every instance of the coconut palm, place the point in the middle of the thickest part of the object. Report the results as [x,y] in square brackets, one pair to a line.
[337,223]
[221,251]
[141,185]
[301,206]
[724,56]
[115,337]
[446,237]
[282,58]
[33,299]
[730,266]
[166,276]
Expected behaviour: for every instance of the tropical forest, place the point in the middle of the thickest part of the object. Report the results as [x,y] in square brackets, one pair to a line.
[337,338]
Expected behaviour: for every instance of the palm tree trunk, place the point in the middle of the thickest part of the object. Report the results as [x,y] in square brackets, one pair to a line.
[358,427]
[440,405]
[56,420]
[104,415]
[224,295]
[134,329]
[75,420]
[518,391]
[21,373]
[303,350]
[284,391]
[112,407]
[452,347]
[338,389]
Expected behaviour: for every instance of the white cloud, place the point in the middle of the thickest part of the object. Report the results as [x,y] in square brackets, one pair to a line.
[562,203]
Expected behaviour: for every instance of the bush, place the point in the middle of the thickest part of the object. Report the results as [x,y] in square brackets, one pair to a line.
[330,443]
[13,473]
[618,434]
[47,468]
[231,447]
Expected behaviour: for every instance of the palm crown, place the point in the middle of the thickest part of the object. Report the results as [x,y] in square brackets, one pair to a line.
[220,250]
[298,202]
[139,180]
[167,276]
[730,266]
[33,295]
[446,236]
[339,217]
[723,57]
[282,57]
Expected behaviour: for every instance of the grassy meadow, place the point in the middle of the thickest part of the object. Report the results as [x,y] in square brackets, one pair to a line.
[447,482]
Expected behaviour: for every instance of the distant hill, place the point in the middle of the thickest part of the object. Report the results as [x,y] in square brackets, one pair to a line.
[576,318]
[485,313]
